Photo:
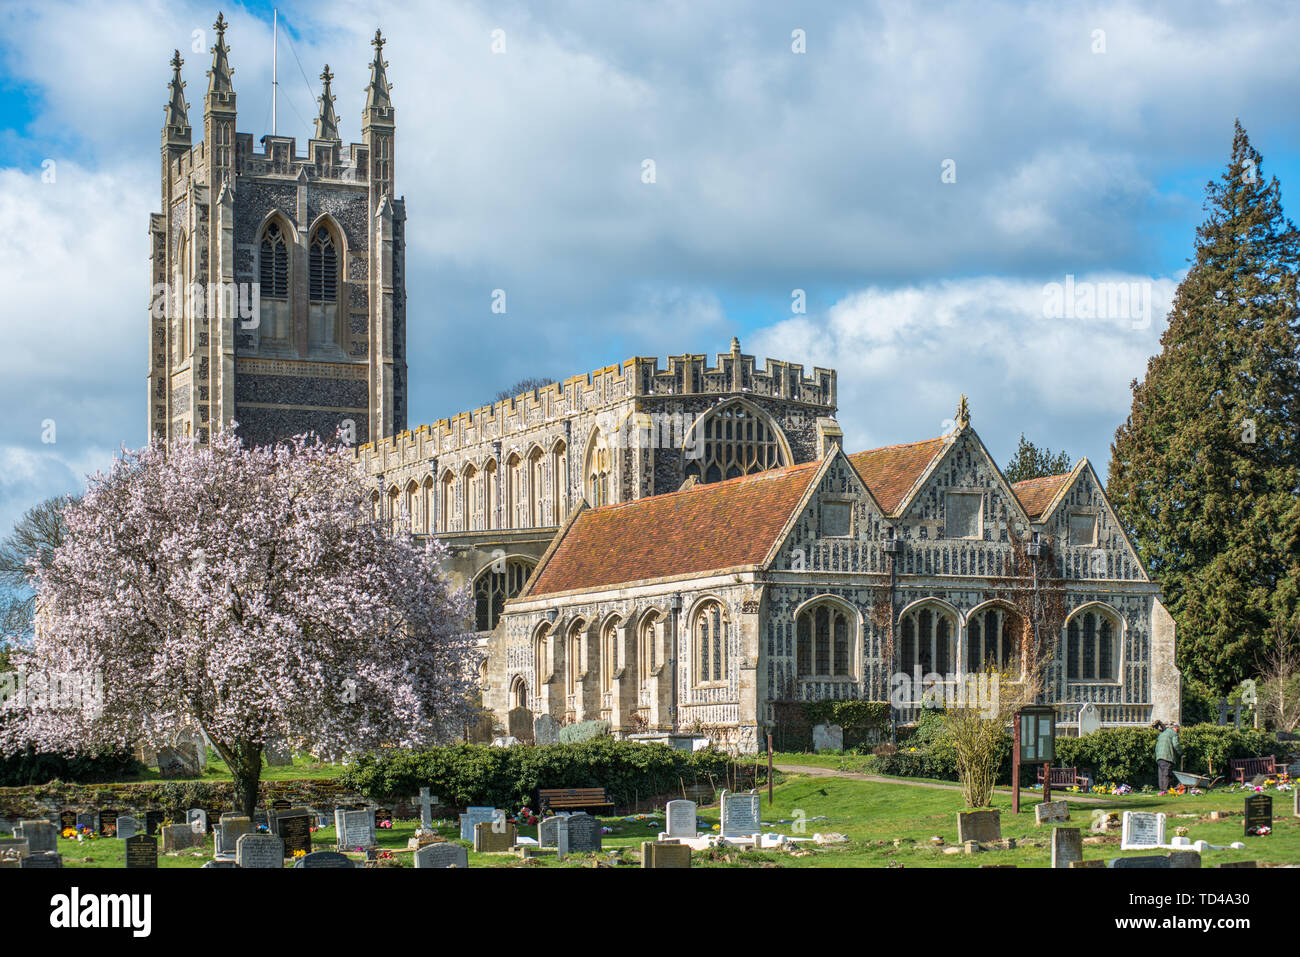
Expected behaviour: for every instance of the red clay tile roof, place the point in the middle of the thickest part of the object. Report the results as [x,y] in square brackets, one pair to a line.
[1036,494]
[702,529]
[891,472]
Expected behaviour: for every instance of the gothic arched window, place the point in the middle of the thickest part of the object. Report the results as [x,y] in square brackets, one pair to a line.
[274,263]
[823,645]
[494,586]
[598,472]
[993,639]
[573,655]
[559,482]
[927,640]
[323,267]
[709,631]
[609,655]
[490,493]
[446,502]
[647,645]
[732,441]
[1091,646]
[469,498]
[536,482]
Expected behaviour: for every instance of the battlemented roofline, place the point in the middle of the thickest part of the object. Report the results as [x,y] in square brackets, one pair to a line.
[639,376]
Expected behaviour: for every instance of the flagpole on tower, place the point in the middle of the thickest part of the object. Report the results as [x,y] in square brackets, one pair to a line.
[275,81]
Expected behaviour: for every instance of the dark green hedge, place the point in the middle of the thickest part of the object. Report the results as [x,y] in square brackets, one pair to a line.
[27,768]
[1128,755]
[465,774]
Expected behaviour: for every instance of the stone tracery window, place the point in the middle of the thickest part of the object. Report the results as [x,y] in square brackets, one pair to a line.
[733,440]
[709,630]
[559,482]
[446,501]
[469,498]
[494,586]
[323,314]
[927,640]
[599,472]
[490,493]
[274,263]
[536,482]
[823,644]
[1091,646]
[542,653]
[428,507]
[993,637]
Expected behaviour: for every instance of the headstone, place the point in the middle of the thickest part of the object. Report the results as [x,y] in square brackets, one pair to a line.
[665,854]
[546,730]
[1089,719]
[828,737]
[519,724]
[1184,859]
[426,802]
[442,855]
[680,817]
[181,837]
[546,830]
[382,814]
[488,839]
[584,833]
[562,837]
[198,820]
[127,826]
[152,821]
[141,851]
[1142,829]
[982,827]
[190,742]
[277,755]
[355,829]
[324,859]
[107,823]
[176,763]
[263,851]
[740,814]
[1095,862]
[474,816]
[67,819]
[1149,861]
[14,848]
[231,829]
[1239,864]
[41,836]
[219,863]
[1067,846]
[294,828]
[509,741]
[1052,812]
[85,822]
[43,859]
[483,729]
[1259,815]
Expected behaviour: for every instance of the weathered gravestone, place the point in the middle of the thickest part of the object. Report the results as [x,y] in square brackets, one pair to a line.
[43,859]
[1051,812]
[198,820]
[546,730]
[355,828]
[477,815]
[442,855]
[127,826]
[153,820]
[13,848]
[1157,861]
[191,743]
[294,828]
[1142,829]
[264,851]
[1089,719]
[828,737]
[494,838]
[426,802]
[41,836]
[740,814]
[383,814]
[665,854]
[519,724]
[1259,815]
[584,833]
[982,827]
[1184,859]
[178,763]
[680,818]
[107,823]
[1067,846]
[547,830]
[508,741]
[562,837]
[219,864]
[324,859]
[230,829]
[141,851]
[277,755]
[85,822]
[181,837]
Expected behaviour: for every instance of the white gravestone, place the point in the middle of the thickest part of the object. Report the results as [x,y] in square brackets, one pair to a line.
[546,730]
[355,828]
[828,737]
[1142,829]
[740,817]
[477,815]
[681,818]
[265,851]
[562,838]
[1089,719]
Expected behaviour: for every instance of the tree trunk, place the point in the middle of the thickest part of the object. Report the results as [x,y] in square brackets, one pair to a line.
[244,759]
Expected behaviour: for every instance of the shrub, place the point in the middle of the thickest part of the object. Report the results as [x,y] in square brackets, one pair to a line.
[465,774]
[1128,755]
[583,731]
[29,767]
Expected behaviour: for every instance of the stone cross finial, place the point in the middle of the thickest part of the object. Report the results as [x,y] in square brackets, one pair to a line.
[177,62]
[327,76]
[735,343]
[220,25]
[963,413]
[378,42]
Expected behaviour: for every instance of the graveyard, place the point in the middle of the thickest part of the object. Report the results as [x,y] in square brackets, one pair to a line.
[828,821]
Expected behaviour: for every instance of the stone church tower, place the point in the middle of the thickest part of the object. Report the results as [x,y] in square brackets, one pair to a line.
[278,280]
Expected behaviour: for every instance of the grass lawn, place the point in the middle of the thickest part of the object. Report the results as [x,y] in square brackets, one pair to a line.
[873,816]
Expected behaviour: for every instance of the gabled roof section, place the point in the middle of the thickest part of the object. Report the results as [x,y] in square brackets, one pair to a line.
[892,472]
[706,528]
[1038,495]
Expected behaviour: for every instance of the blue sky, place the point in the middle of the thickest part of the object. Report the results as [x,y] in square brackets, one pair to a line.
[776,171]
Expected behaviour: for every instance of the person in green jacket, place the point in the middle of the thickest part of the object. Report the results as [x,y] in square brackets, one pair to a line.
[1169,750]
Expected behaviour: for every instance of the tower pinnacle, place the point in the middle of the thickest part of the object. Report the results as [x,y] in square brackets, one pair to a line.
[219,75]
[327,122]
[177,123]
[377,91]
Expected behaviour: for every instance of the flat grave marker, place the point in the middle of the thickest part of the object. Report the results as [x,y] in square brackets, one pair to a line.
[141,851]
[442,855]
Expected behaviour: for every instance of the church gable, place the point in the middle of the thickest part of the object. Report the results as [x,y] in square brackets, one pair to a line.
[1086,533]
[837,527]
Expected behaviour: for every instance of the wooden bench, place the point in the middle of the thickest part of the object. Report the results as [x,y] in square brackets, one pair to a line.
[1064,778]
[569,799]
[1243,770]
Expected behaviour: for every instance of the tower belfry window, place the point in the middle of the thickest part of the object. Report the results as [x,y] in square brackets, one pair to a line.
[323,267]
[274,262]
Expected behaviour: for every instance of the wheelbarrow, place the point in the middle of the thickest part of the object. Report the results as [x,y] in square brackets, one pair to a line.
[1196,780]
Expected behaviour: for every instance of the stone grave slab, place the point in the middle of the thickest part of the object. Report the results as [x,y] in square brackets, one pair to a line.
[546,730]
[1152,860]
[982,827]
[1142,829]
[828,737]
[681,818]
[1067,846]
[1051,812]
[1089,719]
[442,855]
[41,836]
[474,816]
[259,851]
[1259,815]
[655,854]
[181,837]
[295,830]
[127,826]
[45,859]
[355,829]
[107,823]
[494,838]
[740,814]
[584,833]
[324,859]
[141,851]
[547,828]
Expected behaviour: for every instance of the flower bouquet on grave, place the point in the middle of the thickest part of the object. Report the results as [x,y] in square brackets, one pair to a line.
[68,833]
[1260,830]
[87,834]
[386,824]
[299,853]
[110,830]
